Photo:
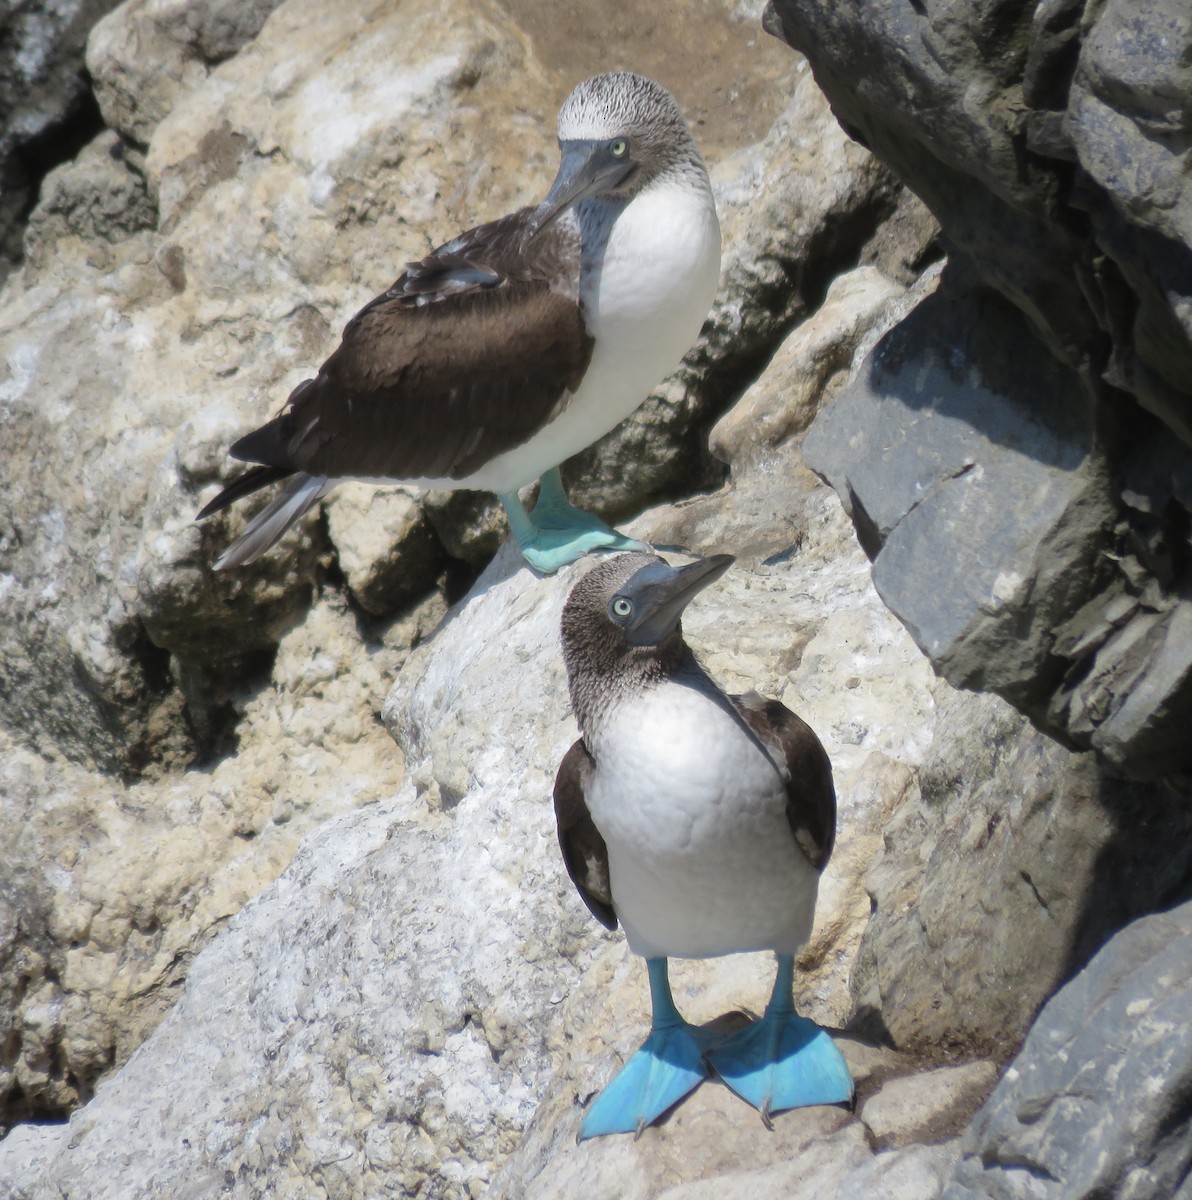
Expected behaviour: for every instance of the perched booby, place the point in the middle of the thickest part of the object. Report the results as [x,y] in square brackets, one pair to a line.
[700,821]
[516,344]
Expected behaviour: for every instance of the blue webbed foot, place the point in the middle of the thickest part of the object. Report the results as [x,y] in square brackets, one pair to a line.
[783,1060]
[669,1065]
[557,533]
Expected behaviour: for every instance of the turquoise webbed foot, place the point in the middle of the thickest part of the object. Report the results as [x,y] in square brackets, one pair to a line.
[557,533]
[783,1060]
[669,1065]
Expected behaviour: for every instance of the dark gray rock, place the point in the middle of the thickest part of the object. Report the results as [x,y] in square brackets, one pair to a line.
[1096,1104]
[967,459]
[997,881]
[1128,117]
[1050,141]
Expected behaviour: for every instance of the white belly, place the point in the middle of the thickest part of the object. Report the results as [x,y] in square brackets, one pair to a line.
[645,306]
[702,860]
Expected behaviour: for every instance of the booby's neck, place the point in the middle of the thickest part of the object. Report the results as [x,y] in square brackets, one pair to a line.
[604,673]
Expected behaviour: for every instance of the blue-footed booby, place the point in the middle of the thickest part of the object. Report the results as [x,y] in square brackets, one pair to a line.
[516,344]
[701,822]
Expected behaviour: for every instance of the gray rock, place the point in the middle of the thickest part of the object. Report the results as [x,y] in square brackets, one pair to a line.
[994,883]
[1096,1102]
[1131,93]
[983,504]
[47,112]
[1043,138]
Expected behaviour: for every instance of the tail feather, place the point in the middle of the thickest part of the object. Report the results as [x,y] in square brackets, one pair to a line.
[274,519]
[248,483]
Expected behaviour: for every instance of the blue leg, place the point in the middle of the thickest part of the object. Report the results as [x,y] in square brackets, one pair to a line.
[558,533]
[783,1060]
[669,1064]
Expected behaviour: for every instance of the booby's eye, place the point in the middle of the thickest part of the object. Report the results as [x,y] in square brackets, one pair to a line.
[620,607]
[618,147]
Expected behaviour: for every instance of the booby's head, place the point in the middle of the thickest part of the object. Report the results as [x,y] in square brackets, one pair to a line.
[618,133]
[622,620]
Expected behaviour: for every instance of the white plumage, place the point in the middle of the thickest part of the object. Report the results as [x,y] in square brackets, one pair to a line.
[702,860]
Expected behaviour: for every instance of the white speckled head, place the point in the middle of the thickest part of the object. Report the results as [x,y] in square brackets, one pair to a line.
[624,104]
[619,102]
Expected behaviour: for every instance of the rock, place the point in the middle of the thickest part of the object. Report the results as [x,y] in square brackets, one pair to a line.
[110,890]
[98,199]
[179,331]
[805,371]
[984,506]
[1031,137]
[1132,79]
[147,55]
[992,884]
[214,271]
[486,1006]
[394,1015]
[1095,1103]
[48,112]
[924,1106]
[386,548]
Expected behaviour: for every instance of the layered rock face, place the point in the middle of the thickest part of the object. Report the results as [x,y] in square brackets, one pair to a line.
[1052,368]
[281,909]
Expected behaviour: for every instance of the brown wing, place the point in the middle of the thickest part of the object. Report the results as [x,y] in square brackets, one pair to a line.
[810,797]
[584,851]
[462,359]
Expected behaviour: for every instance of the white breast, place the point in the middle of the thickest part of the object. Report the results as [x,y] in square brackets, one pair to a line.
[701,856]
[645,303]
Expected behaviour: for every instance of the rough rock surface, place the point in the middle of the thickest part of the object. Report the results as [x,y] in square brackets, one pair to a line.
[423,978]
[395,1013]
[170,295]
[418,1004]
[1050,141]
[1097,1102]
[47,110]
[199,280]
[108,891]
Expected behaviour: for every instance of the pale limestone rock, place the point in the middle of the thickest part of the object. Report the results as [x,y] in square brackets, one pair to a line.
[925,1106]
[385,546]
[422,984]
[149,53]
[121,885]
[802,374]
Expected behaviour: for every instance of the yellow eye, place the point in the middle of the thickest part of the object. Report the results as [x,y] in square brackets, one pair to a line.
[621,607]
[618,147]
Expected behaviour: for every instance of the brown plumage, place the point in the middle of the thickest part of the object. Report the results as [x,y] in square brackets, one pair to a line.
[518,343]
[485,332]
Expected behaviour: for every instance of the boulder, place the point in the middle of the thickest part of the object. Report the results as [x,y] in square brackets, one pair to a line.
[1096,1102]
[1045,139]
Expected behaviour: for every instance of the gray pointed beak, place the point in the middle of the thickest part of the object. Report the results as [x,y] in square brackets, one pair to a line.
[660,593]
[586,169]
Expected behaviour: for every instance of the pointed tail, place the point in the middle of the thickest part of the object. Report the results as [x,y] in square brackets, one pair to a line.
[274,519]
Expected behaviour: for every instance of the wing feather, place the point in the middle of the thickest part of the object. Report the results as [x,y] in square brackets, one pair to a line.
[463,358]
[584,852]
[810,796]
